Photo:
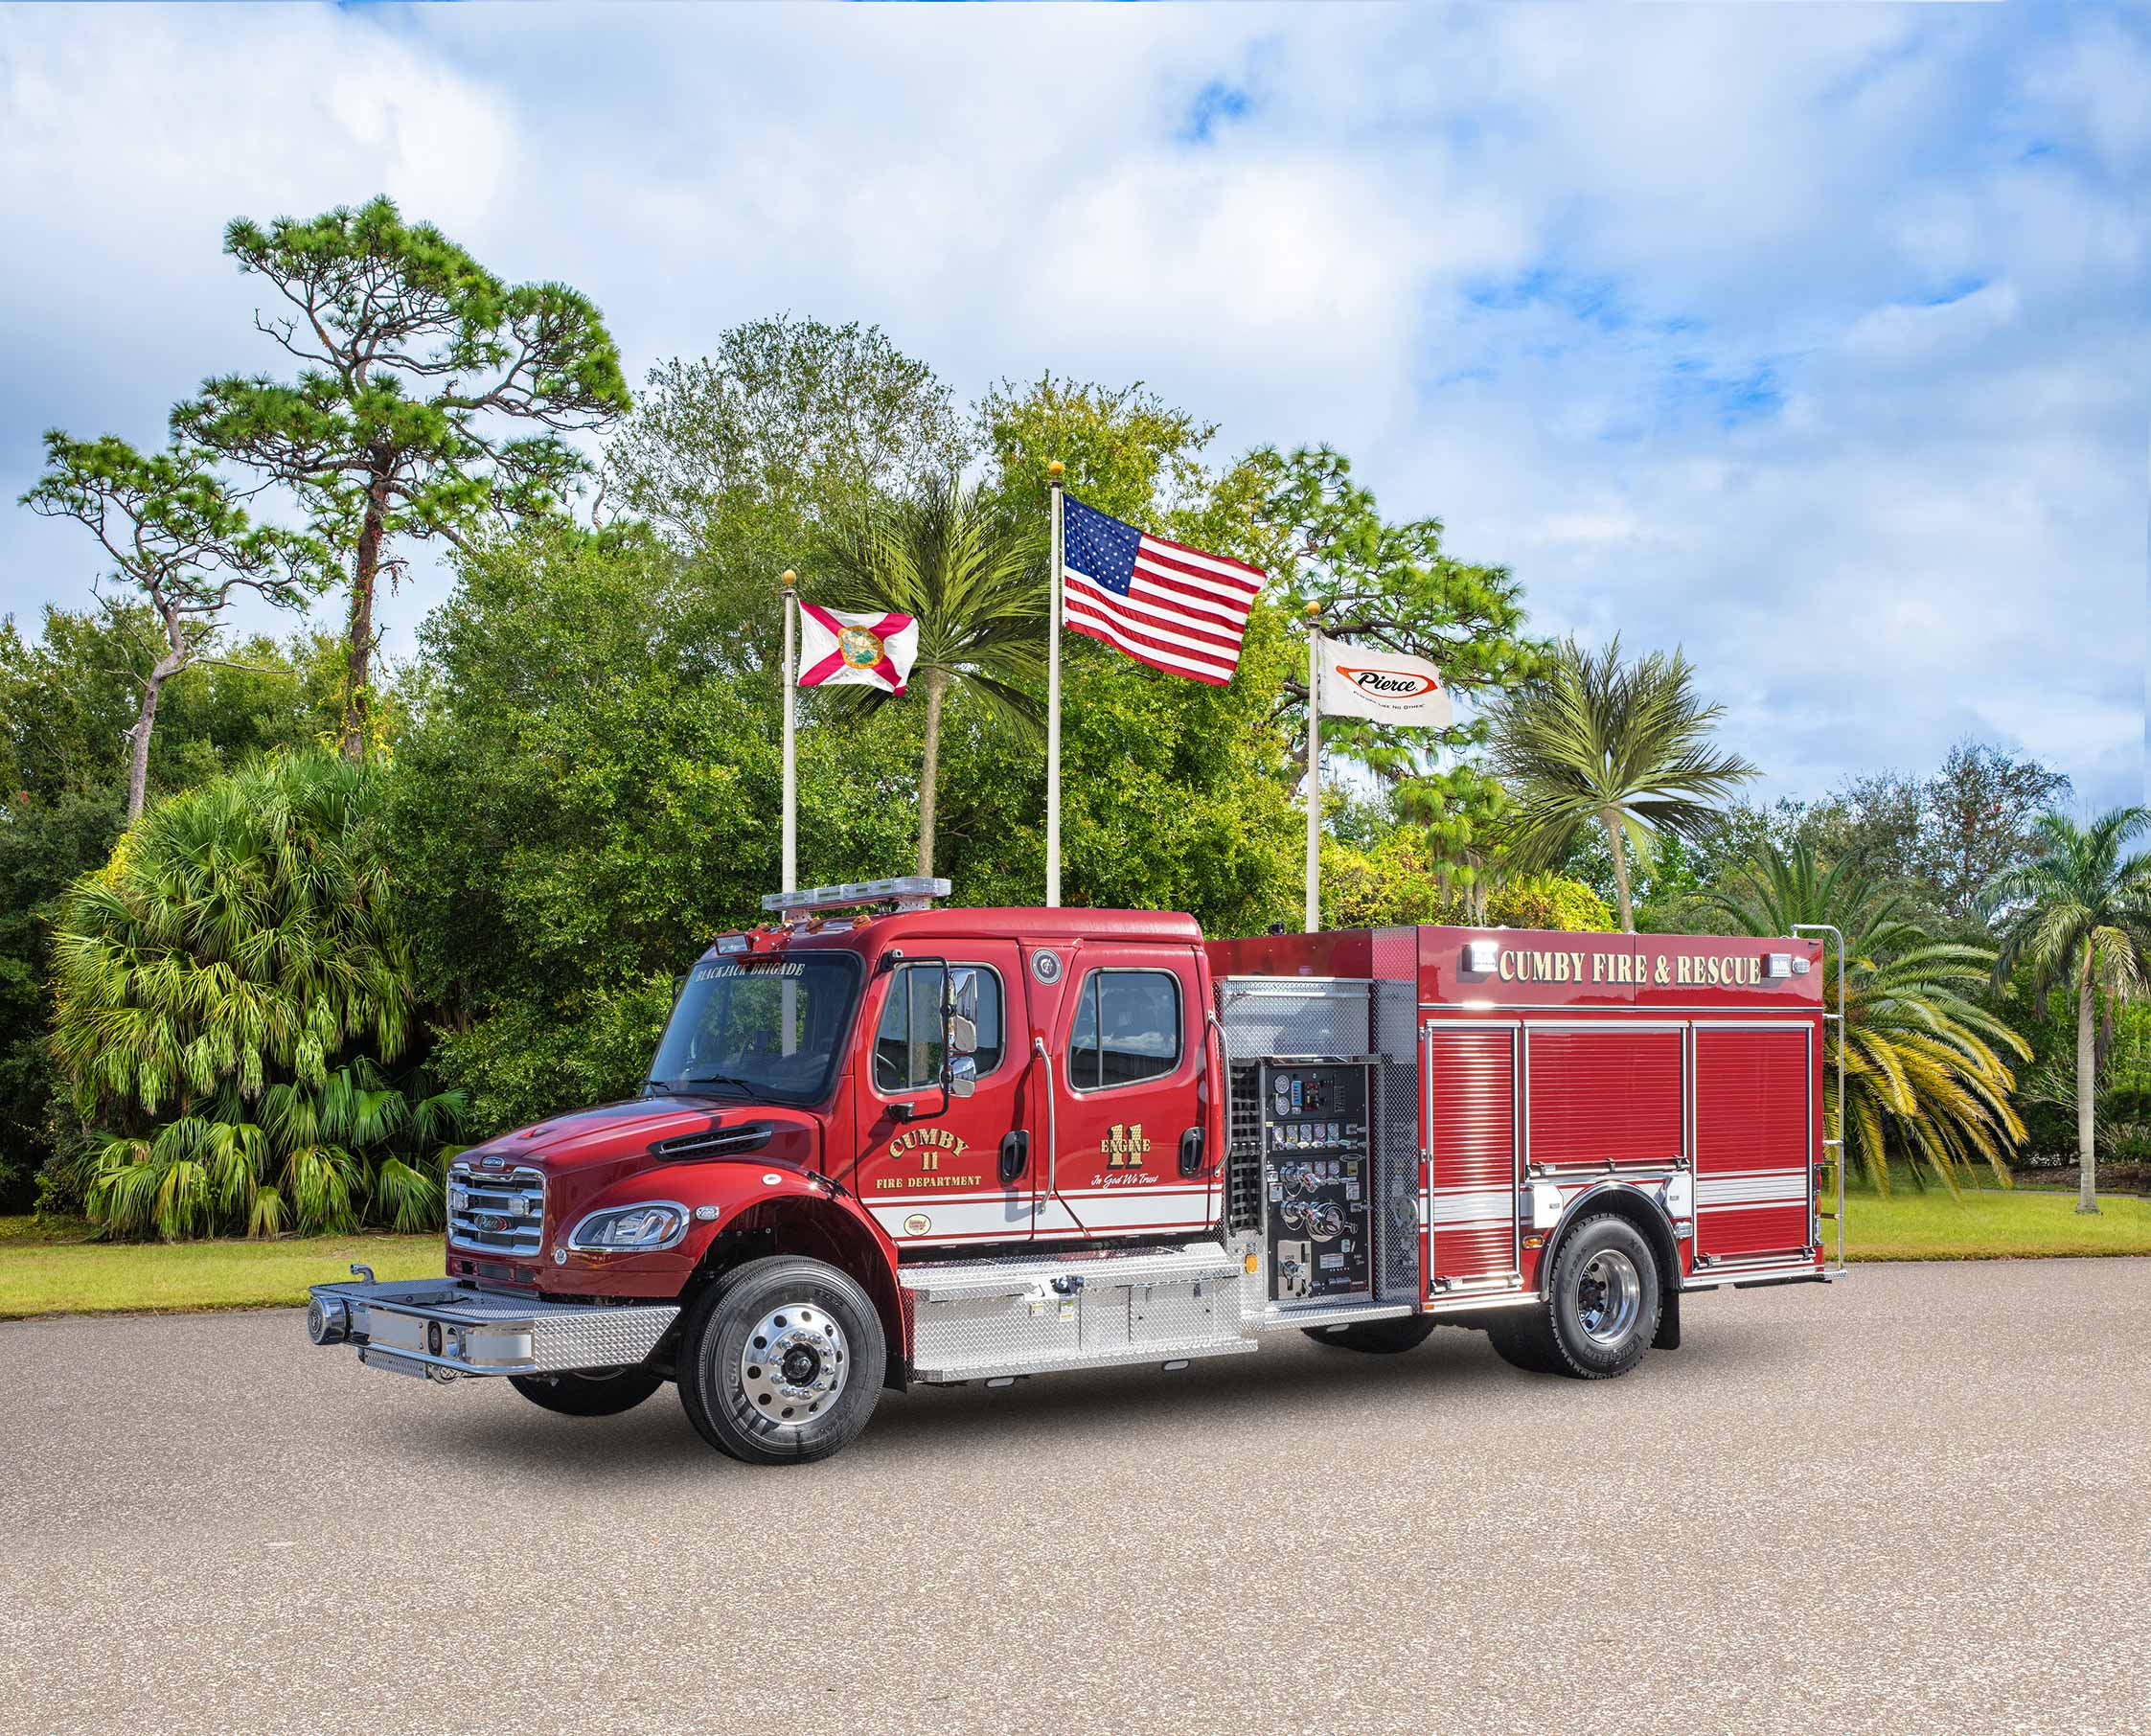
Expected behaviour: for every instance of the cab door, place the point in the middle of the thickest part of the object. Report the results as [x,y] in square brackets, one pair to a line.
[1131,1157]
[964,1174]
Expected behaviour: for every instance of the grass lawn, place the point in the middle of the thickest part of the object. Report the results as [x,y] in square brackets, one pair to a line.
[42,1272]
[1989,1225]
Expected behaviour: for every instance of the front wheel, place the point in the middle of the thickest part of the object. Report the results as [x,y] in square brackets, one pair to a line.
[595,1392]
[781,1361]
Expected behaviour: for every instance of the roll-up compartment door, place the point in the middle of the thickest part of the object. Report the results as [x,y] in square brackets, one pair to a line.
[1753,1118]
[1472,1156]
[1605,1095]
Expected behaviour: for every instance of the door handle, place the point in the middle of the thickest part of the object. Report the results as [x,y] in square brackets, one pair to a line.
[1015,1155]
[1191,1152]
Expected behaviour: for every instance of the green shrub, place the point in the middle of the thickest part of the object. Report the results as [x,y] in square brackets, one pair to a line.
[230,991]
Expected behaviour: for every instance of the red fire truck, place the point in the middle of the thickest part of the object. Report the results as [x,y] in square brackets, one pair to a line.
[886,1143]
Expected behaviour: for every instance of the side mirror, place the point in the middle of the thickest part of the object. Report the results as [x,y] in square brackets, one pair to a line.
[962,1076]
[959,1017]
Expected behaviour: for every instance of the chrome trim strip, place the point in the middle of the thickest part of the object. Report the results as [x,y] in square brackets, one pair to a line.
[1052,1140]
[524,1238]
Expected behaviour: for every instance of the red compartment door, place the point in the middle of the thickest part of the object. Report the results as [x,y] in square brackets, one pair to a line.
[1754,1129]
[1606,1094]
[1471,1146]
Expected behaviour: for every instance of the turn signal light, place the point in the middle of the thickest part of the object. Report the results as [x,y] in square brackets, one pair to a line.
[1534,1242]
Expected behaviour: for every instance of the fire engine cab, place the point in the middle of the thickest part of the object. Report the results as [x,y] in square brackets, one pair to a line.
[886,1143]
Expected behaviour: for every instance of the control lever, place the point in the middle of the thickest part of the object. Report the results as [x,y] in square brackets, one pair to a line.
[1015,1155]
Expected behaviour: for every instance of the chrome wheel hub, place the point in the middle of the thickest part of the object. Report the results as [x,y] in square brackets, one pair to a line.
[1609,1298]
[793,1365]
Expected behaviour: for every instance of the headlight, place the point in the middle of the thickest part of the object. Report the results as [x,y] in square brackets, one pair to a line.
[636,1229]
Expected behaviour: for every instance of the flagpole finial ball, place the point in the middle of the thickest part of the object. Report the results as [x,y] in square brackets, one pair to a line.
[790,579]
[1313,611]
[1054,469]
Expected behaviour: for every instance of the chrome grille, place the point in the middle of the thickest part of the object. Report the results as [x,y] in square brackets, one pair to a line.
[497,1211]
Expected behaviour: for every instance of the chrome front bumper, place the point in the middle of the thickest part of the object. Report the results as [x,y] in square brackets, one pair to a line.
[442,1329]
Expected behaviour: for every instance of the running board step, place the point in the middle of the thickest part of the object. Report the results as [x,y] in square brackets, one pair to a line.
[983,1320]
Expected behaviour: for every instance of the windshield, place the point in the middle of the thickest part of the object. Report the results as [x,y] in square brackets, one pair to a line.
[763,1028]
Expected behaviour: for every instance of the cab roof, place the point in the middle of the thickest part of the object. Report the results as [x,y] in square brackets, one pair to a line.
[1056,927]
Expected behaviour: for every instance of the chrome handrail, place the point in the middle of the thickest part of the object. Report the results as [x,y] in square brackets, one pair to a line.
[1052,1132]
[1839,1016]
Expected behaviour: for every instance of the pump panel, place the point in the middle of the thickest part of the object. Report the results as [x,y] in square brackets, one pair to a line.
[1318,1182]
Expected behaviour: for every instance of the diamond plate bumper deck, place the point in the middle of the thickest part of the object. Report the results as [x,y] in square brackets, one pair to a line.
[438,1328]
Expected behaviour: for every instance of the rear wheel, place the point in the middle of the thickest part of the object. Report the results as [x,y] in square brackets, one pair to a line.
[1378,1338]
[592,1392]
[781,1361]
[1601,1308]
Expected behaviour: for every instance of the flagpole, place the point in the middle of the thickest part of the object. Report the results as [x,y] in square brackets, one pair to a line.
[789,581]
[788,1008]
[1053,705]
[1313,769]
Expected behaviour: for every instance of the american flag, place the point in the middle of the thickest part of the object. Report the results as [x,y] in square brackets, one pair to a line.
[1163,604]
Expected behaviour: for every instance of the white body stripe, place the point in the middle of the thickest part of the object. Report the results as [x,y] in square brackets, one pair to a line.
[1756,1187]
[1456,1207]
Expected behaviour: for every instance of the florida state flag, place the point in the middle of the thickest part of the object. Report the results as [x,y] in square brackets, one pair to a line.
[837,647]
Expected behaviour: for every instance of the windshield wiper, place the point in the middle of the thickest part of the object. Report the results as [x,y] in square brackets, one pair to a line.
[656,1084]
[743,1085]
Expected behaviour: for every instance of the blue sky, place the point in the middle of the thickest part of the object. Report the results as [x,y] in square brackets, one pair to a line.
[1814,340]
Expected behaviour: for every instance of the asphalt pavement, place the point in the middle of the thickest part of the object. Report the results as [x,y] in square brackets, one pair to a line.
[1917,1500]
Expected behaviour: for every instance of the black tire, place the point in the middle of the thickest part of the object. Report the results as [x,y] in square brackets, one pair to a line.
[1523,1339]
[1600,1312]
[834,1333]
[596,1392]
[1378,1338]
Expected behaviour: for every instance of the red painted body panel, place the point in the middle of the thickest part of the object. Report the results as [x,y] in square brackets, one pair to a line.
[1346,952]
[1471,1136]
[1606,1095]
[1633,972]
[1751,1118]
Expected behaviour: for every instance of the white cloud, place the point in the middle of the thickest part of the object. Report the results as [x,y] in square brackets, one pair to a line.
[1812,340]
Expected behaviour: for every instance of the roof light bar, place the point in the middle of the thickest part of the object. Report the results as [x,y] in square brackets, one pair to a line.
[907,892]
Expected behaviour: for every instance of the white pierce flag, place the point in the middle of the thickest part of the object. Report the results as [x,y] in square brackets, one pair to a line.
[1383,686]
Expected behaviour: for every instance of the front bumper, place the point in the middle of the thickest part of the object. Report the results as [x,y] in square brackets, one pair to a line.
[444,1329]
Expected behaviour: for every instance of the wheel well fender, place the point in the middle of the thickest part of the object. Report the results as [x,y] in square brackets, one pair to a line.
[828,1230]
[1620,1200]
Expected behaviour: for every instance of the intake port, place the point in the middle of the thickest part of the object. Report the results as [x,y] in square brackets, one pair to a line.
[327,1320]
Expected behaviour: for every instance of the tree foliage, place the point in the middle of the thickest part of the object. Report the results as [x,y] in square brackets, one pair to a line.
[416,366]
[1405,876]
[1622,746]
[67,700]
[587,794]
[2078,916]
[180,543]
[1925,1080]
[229,990]
[978,590]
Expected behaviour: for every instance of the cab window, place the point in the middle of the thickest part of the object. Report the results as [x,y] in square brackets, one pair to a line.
[907,1046]
[1127,1029]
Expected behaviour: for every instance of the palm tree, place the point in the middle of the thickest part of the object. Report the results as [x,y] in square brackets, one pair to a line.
[980,600]
[227,992]
[1922,1075]
[2079,914]
[1624,747]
